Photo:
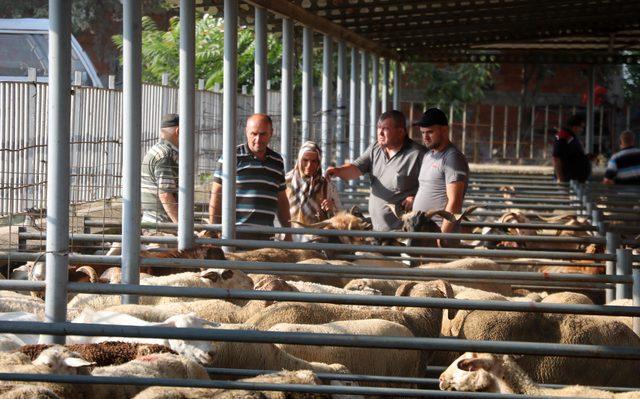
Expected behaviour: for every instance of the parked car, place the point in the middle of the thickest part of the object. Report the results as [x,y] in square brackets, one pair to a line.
[24,44]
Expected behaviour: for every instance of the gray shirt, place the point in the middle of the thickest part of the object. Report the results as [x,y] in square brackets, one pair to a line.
[440,168]
[392,180]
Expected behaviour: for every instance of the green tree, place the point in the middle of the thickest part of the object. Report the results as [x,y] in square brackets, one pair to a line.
[454,84]
[160,52]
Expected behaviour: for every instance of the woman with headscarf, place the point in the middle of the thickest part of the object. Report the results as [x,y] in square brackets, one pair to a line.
[312,198]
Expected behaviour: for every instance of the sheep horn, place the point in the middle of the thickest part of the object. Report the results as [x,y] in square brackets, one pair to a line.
[396,209]
[442,213]
[405,288]
[89,271]
[319,225]
[466,213]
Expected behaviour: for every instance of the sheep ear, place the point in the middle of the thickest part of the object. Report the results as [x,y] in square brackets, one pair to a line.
[474,364]
[23,268]
[211,274]
[226,274]
[76,362]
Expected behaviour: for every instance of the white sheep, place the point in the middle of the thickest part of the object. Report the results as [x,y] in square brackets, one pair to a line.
[210,278]
[370,361]
[484,372]
[10,341]
[306,286]
[197,350]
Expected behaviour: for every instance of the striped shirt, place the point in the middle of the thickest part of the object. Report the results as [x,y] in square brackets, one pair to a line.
[159,174]
[624,166]
[258,184]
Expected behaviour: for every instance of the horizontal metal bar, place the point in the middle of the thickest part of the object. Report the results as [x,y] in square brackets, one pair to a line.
[388,234]
[250,386]
[297,338]
[369,300]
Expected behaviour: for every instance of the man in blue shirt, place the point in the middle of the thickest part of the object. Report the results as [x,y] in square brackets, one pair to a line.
[624,166]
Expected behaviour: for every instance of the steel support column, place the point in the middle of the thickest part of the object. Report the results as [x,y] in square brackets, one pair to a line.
[589,137]
[58,165]
[260,61]
[326,99]
[229,116]
[636,299]
[385,86]
[286,90]
[374,109]
[396,86]
[354,132]
[187,109]
[307,82]
[341,147]
[131,136]
[624,266]
[364,93]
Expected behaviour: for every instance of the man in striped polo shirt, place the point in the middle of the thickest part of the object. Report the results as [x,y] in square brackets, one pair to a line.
[159,175]
[260,180]
[624,166]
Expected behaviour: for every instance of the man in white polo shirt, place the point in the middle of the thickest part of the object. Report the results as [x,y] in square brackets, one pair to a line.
[444,174]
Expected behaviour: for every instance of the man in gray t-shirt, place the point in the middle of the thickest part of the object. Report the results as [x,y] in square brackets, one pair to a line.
[393,163]
[444,174]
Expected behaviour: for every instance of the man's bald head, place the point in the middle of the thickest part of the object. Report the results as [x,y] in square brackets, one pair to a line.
[260,119]
[627,139]
[258,131]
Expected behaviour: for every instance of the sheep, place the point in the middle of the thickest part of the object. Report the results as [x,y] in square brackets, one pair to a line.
[213,278]
[157,365]
[274,255]
[326,279]
[305,377]
[628,321]
[568,297]
[421,221]
[340,221]
[14,302]
[113,275]
[10,341]
[484,372]
[197,350]
[368,361]
[422,322]
[305,286]
[103,353]
[377,262]
[563,329]
[474,264]
[27,392]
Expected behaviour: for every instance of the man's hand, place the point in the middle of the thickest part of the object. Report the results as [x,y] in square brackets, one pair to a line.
[332,171]
[327,205]
[607,181]
[407,204]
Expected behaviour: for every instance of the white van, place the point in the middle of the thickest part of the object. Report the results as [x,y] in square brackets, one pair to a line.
[24,44]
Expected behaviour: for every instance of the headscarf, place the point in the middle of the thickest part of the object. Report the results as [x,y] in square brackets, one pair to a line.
[304,189]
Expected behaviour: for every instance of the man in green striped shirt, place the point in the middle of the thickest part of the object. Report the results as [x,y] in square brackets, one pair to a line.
[160,175]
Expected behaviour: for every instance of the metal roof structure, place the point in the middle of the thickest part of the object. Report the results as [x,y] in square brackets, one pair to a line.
[538,31]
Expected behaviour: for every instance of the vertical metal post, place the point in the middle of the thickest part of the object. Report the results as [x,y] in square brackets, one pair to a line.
[58,168]
[533,128]
[286,90]
[396,86]
[476,122]
[229,115]
[450,122]
[590,116]
[545,153]
[307,82]
[364,79]
[385,85]
[464,128]
[560,117]
[636,299]
[260,62]
[518,132]
[613,242]
[131,137]
[504,131]
[326,99]
[623,268]
[354,138]
[187,123]
[340,109]
[374,110]
[491,131]
[627,118]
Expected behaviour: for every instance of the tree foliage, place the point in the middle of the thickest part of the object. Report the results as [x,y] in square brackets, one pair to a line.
[160,52]
[454,84]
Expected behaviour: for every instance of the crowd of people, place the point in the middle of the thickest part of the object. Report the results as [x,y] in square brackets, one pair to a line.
[423,176]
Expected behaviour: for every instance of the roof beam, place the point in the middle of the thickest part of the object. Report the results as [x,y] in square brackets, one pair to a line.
[323,25]
[523,57]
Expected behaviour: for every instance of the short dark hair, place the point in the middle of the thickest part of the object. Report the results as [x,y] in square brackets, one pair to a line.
[397,116]
[575,120]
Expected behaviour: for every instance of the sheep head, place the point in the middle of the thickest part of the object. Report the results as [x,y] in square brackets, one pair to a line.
[62,361]
[227,278]
[341,221]
[472,372]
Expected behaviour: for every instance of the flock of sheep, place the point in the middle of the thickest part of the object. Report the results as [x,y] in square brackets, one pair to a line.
[313,365]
